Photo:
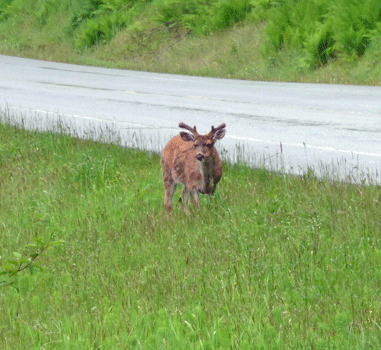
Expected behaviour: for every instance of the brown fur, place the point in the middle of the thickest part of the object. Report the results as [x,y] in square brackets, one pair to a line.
[193,160]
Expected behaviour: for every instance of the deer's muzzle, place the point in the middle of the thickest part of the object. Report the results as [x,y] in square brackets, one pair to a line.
[200,157]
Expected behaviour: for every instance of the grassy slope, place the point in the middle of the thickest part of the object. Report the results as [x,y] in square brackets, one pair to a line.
[236,52]
[273,262]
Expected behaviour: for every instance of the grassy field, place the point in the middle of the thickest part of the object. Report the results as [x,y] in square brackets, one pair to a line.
[272,262]
[88,258]
[325,41]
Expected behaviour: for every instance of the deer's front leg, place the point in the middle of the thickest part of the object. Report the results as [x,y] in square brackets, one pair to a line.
[170,188]
[185,200]
[195,197]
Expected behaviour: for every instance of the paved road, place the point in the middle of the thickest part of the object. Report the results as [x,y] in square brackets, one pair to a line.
[330,128]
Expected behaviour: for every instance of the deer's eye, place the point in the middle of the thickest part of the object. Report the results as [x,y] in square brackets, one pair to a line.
[209,145]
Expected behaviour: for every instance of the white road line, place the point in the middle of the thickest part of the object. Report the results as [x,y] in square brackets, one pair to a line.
[302,145]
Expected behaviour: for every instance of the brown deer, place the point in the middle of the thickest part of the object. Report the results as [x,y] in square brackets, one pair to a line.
[191,159]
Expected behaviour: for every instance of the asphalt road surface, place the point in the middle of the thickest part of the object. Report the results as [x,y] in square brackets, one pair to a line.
[291,127]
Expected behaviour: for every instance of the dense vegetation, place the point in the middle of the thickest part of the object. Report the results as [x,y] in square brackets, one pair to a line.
[313,40]
[89,260]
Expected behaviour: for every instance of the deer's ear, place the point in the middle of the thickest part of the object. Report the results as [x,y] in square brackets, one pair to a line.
[219,135]
[186,136]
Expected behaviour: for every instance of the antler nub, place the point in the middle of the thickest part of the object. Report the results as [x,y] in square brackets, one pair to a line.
[223,125]
[187,127]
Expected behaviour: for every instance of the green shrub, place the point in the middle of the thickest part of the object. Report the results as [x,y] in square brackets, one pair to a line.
[4,4]
[229,12]
[323,28]
[99,20]
[97,31]
[292,21]
[354,23]
[318,46]
[202,18]
[174,13]
[15,8]
[43,10]
[81,13]
[40,10]
[259,10]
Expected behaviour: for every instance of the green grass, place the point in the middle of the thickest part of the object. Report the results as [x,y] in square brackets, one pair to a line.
[273,261]
[323,41]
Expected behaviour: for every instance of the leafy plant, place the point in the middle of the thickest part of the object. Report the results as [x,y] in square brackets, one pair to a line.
[260,9]
[100,20]
[175,13]
[12,8]
[3,8]
[318,46]
[202,18]
[81,13]
[353,24]
[291,21]
[323,28]
[23,260]
[97,31]
[229,12]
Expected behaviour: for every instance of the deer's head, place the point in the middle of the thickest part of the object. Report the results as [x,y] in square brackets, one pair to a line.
[203,144]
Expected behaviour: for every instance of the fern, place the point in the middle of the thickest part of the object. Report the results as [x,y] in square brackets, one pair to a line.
[97,31]
[229,12]
[173,13]
[323,28]
[318,46]
[99,21]
[353,23]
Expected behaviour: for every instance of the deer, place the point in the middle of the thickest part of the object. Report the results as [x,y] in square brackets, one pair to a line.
[191,159]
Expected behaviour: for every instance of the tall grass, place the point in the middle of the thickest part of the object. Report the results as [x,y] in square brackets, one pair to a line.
[273,261]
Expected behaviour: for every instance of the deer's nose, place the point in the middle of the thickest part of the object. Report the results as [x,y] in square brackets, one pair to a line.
[200,157]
